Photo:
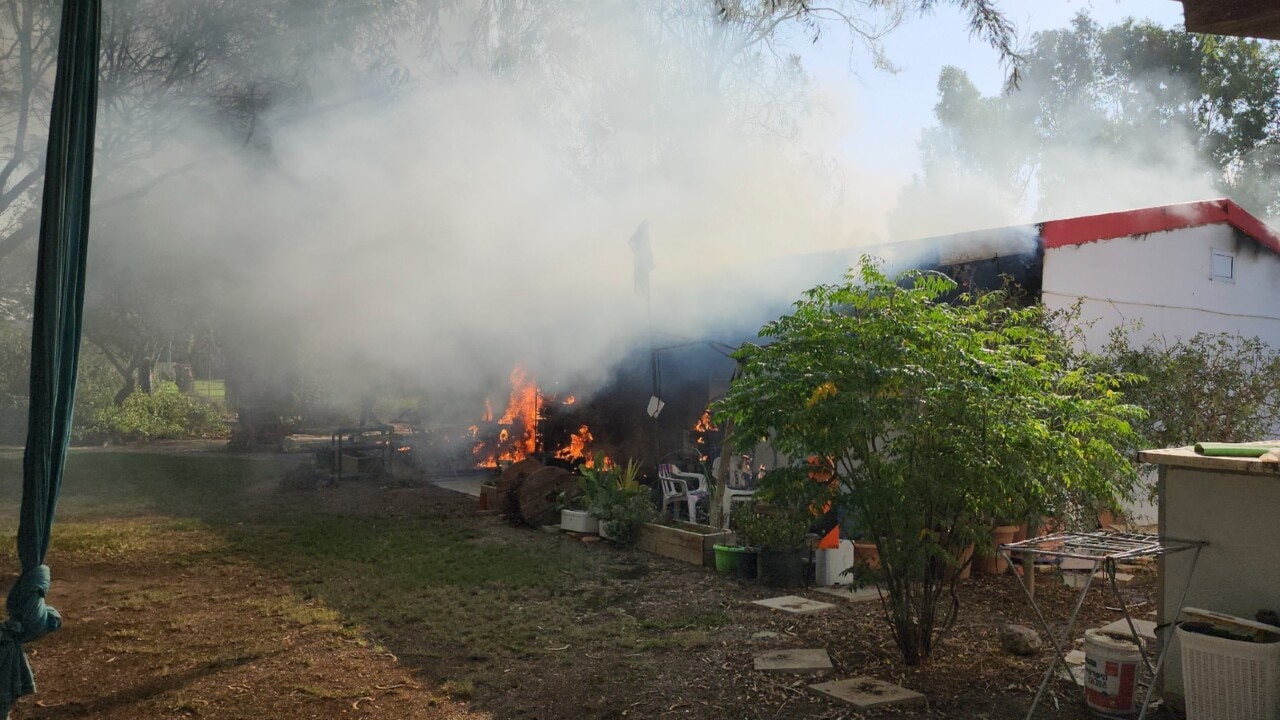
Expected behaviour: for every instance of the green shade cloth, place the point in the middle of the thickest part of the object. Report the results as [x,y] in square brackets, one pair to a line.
[1235,449]
[55,334]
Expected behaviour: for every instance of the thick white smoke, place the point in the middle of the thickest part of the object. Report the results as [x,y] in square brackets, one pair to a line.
[470,220]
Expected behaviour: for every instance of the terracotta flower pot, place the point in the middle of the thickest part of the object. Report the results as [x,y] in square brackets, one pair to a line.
[867,553]
[1021,533]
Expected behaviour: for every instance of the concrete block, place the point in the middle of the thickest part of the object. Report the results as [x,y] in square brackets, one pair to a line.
[794,604]
[1074,579]
[850,594]
[866,692]
[794,661]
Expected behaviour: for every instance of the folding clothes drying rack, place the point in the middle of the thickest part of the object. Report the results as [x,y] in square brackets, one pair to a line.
[1104,550]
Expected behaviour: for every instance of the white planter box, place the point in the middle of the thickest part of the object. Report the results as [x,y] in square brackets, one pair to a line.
[579,521]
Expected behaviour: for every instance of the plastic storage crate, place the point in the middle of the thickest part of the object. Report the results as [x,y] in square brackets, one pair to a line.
[1225,679]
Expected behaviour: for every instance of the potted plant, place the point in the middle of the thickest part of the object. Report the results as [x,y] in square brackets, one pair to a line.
[574,516]
[778,535]
[1004,529]
[620,502]
[575,508]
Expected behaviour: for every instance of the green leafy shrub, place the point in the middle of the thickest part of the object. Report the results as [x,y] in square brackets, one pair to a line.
[165,414]
[927,413]
[1214,386]
[95,386]
[15,350]
[615,496]
[771,528]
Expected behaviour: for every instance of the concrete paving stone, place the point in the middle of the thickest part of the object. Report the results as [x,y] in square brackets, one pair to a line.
[866,692]
[1146,628]
[1074,579]
[1075,657]
[794,604]
[794,661]
[1076,564]
[1076,675]
[851,594]
[466,486]
[764,635]
[1121,577]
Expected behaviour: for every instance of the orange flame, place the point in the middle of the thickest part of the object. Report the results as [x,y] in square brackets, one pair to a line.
[606,463]
[704,423]
[577,447]
[569,400]
[523,406]
[519,436]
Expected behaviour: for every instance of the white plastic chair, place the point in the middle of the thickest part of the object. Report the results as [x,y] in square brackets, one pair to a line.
[681,487]
[736,489]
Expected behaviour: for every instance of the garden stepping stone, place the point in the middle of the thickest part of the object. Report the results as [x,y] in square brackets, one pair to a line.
[1121,577]
[850,594]
[866,692]
[1076,564]
[794,604]
[1073,674]
[1074,579]
[794,661]
[1146,628]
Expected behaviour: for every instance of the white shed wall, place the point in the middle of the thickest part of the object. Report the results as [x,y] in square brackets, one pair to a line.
[1162,281]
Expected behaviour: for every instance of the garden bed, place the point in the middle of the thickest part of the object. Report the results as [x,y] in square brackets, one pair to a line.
[686,542]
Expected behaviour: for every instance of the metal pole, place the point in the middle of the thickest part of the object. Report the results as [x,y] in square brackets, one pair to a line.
[1165,643]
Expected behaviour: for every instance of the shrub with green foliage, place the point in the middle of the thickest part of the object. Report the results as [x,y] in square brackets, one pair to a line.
[615,496]
[15,350]
[1218,387]
[95,386]
[771,528]
[165,414]
[928,415]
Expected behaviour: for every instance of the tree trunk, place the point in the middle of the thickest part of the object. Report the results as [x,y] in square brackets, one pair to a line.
[146,369]
[717,517]
[123,394]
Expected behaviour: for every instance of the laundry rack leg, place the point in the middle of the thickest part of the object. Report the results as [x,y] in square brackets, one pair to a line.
[1059,657]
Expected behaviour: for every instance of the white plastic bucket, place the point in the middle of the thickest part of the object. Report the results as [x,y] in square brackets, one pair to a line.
[1111,673]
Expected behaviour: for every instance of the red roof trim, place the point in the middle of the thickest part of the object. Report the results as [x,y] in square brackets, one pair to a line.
[1077,231]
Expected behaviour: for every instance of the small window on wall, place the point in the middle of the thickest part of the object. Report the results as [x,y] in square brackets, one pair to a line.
[1223,266]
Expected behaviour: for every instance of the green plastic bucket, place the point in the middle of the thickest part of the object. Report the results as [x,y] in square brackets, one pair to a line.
[727,557]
